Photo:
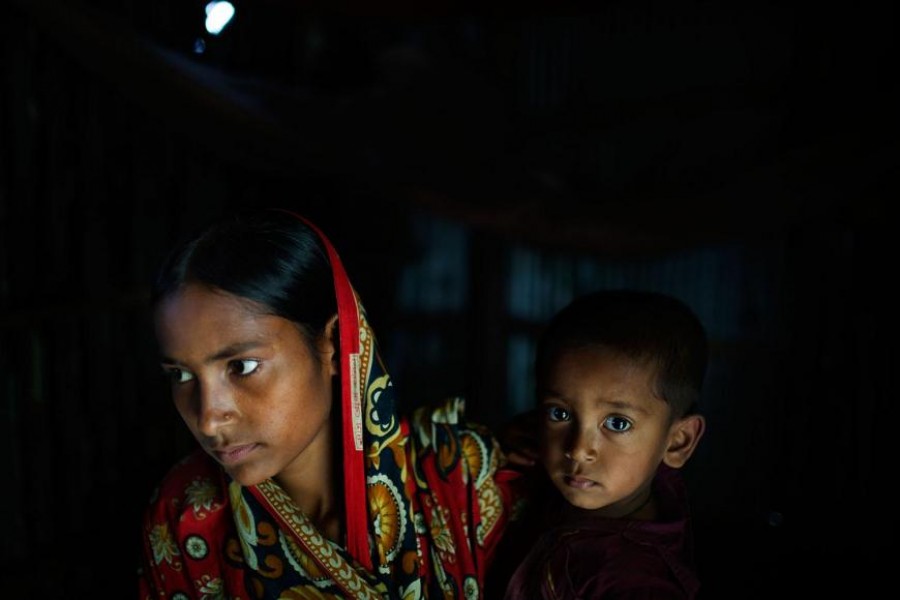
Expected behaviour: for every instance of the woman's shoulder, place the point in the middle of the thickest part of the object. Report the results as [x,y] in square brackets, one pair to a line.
[432,424]
[193,488]
[185,528]
[443,430]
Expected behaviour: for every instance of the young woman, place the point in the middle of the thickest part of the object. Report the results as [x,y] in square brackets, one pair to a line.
[307,482]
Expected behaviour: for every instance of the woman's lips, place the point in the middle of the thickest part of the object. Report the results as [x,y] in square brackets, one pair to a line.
[234,454]
[581,483]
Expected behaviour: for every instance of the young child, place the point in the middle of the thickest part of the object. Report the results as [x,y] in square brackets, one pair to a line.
[618,379]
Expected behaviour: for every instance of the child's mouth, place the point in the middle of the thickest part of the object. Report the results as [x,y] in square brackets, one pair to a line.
[581,483]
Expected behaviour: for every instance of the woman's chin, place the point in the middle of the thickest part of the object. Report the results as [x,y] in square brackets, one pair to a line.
[246,476]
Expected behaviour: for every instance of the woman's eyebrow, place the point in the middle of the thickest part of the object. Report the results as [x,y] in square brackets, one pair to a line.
[226,352]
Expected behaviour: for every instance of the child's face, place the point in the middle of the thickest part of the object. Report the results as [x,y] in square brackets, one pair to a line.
[604,431]
[247,384]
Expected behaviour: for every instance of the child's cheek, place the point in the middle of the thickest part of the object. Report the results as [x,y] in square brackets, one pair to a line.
[550,445]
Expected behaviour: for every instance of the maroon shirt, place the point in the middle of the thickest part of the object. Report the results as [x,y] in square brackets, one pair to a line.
[582,556]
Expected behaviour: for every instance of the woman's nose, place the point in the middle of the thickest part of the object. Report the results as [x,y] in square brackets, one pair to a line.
[215,408]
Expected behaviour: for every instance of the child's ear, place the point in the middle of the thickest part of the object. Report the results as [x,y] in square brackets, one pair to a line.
[684,434]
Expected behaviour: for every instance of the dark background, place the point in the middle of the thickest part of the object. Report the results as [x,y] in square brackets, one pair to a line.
[474,172]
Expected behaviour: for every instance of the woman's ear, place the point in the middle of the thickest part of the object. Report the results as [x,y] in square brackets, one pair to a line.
[331,344]
[684,434]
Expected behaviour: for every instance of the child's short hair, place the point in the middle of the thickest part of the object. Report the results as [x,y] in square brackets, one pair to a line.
[652,328]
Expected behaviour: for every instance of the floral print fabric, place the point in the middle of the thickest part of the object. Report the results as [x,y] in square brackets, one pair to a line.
[436,502]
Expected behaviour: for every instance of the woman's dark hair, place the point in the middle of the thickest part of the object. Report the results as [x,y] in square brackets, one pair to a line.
[268,256]
[648,327]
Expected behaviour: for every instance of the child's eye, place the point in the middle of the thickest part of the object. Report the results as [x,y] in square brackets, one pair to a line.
[177,375]
[617,424]
[557,413]
[244,366]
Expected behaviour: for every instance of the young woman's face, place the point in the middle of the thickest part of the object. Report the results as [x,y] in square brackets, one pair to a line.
[246,383]
[604,430]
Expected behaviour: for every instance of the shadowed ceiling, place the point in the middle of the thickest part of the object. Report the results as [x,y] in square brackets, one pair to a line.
[634,125]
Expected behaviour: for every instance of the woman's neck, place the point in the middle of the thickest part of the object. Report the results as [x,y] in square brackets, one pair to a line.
[310,483]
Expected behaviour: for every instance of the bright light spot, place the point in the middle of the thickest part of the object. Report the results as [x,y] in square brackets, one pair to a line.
[218,15]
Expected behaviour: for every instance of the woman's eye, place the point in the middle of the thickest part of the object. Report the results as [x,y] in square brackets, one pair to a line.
[244,367]
[617,424]
[178,375]
[557,413]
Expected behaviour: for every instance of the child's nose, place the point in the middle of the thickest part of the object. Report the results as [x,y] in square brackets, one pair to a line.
[582,445]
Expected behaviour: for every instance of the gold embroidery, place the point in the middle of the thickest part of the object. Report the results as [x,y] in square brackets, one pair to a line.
[315,544]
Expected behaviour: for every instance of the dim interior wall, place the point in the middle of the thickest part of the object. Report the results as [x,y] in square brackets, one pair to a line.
[94,188]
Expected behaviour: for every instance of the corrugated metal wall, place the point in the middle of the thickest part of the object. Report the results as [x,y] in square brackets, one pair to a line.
[84,217]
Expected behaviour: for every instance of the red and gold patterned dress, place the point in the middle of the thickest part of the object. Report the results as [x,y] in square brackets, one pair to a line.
[426,501]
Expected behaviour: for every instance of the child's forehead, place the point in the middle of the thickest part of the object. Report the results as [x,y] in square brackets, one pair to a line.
[598,367]
[600,355]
